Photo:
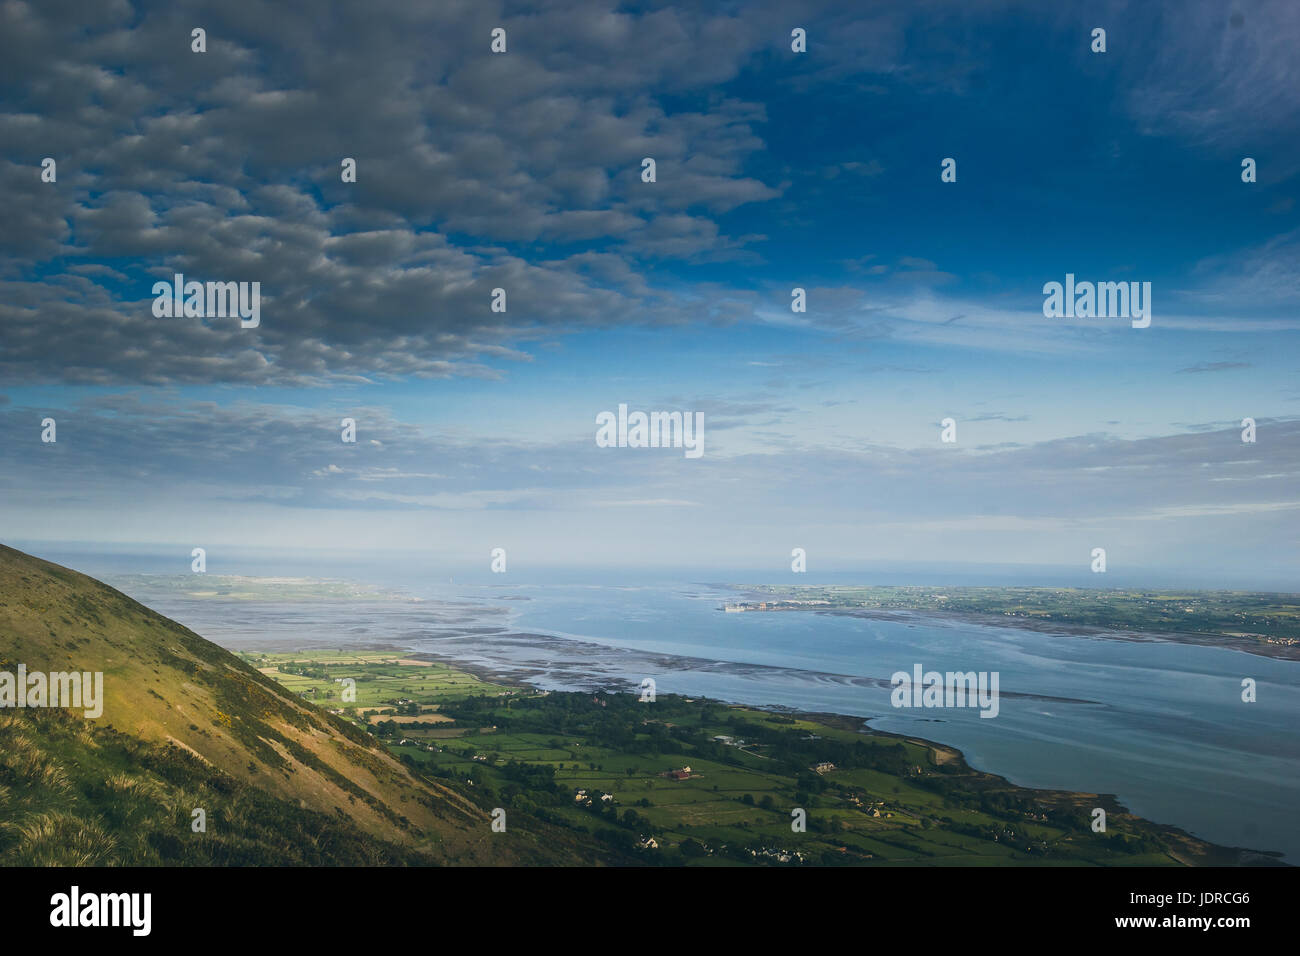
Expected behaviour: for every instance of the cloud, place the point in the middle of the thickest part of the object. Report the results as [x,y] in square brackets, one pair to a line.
[225,166]
[519,171]
[125,445]
[1216,367]
[1216,76]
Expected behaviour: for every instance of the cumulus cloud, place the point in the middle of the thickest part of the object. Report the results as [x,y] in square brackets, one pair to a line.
[225,166]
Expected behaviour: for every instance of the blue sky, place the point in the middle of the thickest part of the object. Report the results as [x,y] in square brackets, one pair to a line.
[775,170]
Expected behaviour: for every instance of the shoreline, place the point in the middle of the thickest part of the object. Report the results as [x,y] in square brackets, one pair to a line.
[506,673]
[1285,652]
[1194,850]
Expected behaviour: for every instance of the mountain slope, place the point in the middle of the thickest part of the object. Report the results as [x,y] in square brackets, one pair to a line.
[185,726]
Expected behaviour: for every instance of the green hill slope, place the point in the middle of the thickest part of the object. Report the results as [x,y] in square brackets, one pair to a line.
[185,726]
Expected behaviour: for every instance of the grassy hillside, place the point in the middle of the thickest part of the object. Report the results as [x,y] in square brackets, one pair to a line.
[186,725]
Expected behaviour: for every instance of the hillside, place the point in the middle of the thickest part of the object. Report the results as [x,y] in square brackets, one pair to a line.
[187,725]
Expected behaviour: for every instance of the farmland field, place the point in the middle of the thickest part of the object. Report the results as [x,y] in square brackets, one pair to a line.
[763,787]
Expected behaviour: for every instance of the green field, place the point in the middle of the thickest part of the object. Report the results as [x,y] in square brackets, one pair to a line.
[556,756]
[381,681]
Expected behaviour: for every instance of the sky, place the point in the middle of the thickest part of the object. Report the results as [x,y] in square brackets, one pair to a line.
[775,170]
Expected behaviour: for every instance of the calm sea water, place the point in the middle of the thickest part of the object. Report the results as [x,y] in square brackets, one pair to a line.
[1159,724]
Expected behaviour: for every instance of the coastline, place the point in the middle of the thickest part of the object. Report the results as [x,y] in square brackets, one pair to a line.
[1191,850]
[1285,652]
[531,660]
[503,674]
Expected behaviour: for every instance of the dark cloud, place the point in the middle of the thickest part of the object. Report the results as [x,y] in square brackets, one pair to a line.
[225,166]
